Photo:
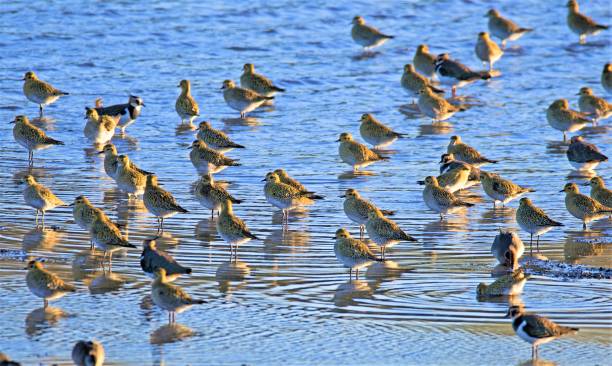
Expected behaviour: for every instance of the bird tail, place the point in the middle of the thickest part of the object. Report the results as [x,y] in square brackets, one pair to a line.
[383,157]
[234,163]
[569,330]
[599,26]
[528,190]
[387,212]
[391,37]
[236,146]
[436,90]
[490,161]
[464,204]
[54,141]
[249,235]
[525,30]
[555,223]
[268,98]
[277,89]
[314,196]
[407,237]
[198,301]
[62,93]
[401,135]
[181,209]
[187,270]
[236,201]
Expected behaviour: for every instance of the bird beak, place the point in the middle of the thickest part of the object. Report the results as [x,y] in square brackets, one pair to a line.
[100,152]
[441,161]
[72,204]
[561,191]
[13,121]
[178,86]
[586,184]
[23,79]
[338,140]
[190,147]
[421,182]
[143,105]
[342,196]
[507,314]
[85,117]
[577,94]
[263,180]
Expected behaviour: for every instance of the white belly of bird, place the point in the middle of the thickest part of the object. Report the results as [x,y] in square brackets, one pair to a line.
[42,100]
[381,240]
[243,106]
[280,203]
[208,203]
[356,217]
[232,238]
[128,187]
[352,262]
[159,212]
[45,293]
[97,134]
[380,141]
[584,166]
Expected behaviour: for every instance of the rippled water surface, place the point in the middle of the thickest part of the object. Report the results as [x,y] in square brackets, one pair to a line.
[287,300]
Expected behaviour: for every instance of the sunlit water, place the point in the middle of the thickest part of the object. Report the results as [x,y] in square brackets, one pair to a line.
[287,300]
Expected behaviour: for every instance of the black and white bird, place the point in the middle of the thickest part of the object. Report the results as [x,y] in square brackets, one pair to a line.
[457,74]
[129,112]
[448,163]
[535,329]
[152,258]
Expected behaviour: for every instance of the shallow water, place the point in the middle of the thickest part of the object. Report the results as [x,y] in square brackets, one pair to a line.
[287,300]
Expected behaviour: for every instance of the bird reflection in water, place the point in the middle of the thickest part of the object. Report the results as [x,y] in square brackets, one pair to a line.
[436,128]
[247,121]
[386,271]
[348,292]
[38,320]
[170,333]
[41,238]
[356,174]
[233,271]
[286,241]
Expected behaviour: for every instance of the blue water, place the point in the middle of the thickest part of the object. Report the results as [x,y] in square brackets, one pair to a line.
[287,300]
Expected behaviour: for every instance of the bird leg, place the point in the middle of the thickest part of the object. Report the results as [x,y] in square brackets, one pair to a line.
[162,225]
[36,218]
[584,225]
[350,273]
[242,115]
[40,110]
[45,303]
[454,91]
[531,244]
[43,220]
[357,274]
[538,244]
[212,214]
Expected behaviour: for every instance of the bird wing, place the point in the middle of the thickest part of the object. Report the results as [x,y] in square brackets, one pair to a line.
[540,327]
[362,152]
[47,195]
[113,110]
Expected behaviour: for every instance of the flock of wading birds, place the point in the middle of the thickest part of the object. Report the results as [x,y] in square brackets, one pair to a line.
[459,170]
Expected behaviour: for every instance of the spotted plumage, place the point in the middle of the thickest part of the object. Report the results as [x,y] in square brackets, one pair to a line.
[212,195]
[562,118]
[376,133]
[503,28]
[357,208]
[435,106]
[424,61]
[231,228]
[583,207]
[354,254]
[367,36]
[40,92]
[456,73]
[257,82]
[287,179]
[31,137]
[186,106]
[356,154]
[384,232]
[106,236]
[466,153]
[111,162]
[99,128]
[241,99]
[448,163]
[39,197]
[534,220]
[284,196]
[592,105]
[507,248]
[510,284]
[170,297]
[413,82]
[599,192]
[583,155]
[441,200]
[606,77]
[88,353]
[45,284]
[129,179]
[160,202]
[500,189]
[216,139]
[207,160]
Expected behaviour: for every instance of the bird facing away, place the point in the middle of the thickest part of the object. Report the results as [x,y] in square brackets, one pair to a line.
[186,106]
[352,253]
[207,160]
[40,92]
[39,197]
[45,284]
[535,329]
[581,24]
[435,106]
[487,50]
[216,139]
[367,36]
[99,129]
[376,133]
[384,231]
[284,196]
[592,105]
[441,200]
[212,195]
[583,207]
[84,213]
[583,155]
[111,161]
[232,229]
[534,220]
[413,82]
[170,297]
[356,154]
[562,118]
[599,192]
[357,208]
[507,248]
[424,61]
[31,137]
[457,74]
[606,77]
[502,190]
[448,163]
[152,258]
[504,28]
[88,353]
[127,113]
[466,153]
[257,82]
[160,202]
[241,99]
[129,179]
